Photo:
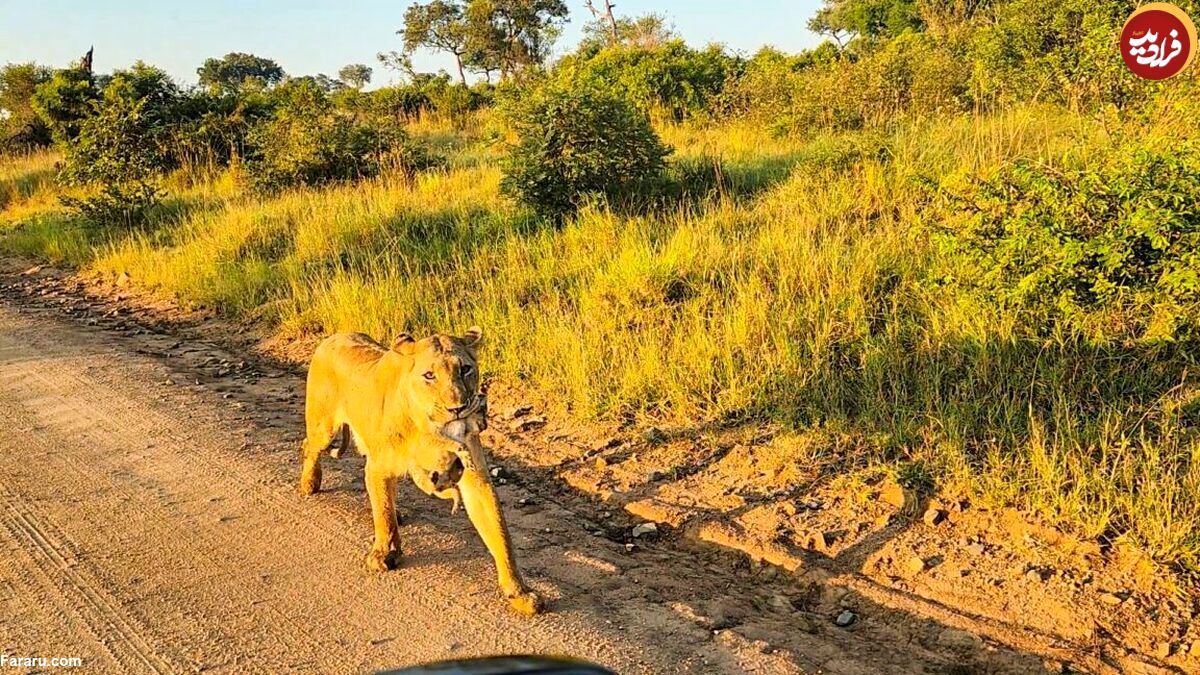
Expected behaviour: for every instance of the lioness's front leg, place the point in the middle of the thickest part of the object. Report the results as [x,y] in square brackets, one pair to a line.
[483,509]
[381,489]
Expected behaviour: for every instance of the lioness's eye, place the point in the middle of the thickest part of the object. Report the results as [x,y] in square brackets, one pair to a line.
[467,370]
[429,375]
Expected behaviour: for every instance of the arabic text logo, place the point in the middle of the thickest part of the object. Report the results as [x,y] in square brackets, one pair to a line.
[1158,41]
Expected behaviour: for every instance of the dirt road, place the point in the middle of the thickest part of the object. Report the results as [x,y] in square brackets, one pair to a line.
[145,529]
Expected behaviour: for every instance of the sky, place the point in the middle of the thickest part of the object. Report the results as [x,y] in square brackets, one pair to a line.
[307,37]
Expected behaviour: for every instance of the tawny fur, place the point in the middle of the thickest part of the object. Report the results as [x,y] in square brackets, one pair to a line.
[414,410]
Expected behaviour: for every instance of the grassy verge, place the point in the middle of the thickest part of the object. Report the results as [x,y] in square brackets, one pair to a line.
[794,285]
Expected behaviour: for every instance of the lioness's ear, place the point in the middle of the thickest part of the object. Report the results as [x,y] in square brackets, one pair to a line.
[403,344]
[473,337]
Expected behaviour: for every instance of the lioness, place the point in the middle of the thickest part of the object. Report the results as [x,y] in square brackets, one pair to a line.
[415,410]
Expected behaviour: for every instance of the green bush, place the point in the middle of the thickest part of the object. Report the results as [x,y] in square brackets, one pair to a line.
[123,146]
[401,103]
[912,75]
[128,135]
[20,126]
[213,128]
[65,101]
[766,89]
[433,95]
[309,142]
[672,77]
[1053,51]
[576,144]
[1116,246]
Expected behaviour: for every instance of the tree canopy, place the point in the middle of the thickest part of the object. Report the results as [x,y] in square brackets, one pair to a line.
[439,25]
[839,19]
[643,32]
[19,122]
[238,71]
[485,35]
[357,75]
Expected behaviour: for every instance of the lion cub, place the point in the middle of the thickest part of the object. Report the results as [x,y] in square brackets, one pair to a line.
[412,410]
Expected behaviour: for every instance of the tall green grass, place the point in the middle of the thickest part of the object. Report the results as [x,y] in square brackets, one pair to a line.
[790,286]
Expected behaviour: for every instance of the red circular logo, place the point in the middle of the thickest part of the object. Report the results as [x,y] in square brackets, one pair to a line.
[1158,41]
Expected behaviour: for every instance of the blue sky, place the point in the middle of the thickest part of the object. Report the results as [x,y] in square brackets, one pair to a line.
[308,37]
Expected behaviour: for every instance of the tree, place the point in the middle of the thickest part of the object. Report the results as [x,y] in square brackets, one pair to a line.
[20,125]
[644,32]
[440,25]
[357,75]
[825,23]
[603,17]
[129,136]
[65,101]
[237,71]
[126,143]
[321,81]
[867,18]
[511,35]
[401,62]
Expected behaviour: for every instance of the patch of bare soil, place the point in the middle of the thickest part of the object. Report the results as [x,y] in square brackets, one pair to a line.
[920,583]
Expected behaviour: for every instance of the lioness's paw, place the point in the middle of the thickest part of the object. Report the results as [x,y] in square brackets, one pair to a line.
[382,561]
[310,484]
[526,604]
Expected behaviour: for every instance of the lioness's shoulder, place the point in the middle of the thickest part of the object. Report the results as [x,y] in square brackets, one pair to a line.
[349,348]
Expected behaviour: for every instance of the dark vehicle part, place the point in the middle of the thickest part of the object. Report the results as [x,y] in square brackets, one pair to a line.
[506,665]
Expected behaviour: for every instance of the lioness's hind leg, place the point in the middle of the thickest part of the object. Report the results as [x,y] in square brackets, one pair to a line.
[318,439]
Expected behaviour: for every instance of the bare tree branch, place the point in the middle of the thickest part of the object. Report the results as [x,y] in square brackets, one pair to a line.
[607,14]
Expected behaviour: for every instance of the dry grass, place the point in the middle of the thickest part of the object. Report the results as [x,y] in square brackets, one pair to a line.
[791,292]
[27,183]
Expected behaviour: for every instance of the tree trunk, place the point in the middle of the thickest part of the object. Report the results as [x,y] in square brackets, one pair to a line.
[608,14]
[462,76]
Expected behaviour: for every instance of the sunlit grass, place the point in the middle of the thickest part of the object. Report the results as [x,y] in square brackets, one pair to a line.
[27,184]
[792,292]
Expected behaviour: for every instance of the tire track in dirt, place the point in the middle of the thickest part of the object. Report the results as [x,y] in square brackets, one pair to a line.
[119,637]
[56,395]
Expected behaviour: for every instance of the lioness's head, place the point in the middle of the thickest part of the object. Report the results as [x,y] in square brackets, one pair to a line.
[443,380]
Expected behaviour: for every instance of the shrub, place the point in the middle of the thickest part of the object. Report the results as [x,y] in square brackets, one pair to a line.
[576,144]
[212,129]
[1119,243]
[123,146]
[20,126]
[128,136]
[65,101]
[401,103]
[766,89]
[309,142]
[116,204]
[672,77]
[912,75]
[1053,51]
[304,150]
